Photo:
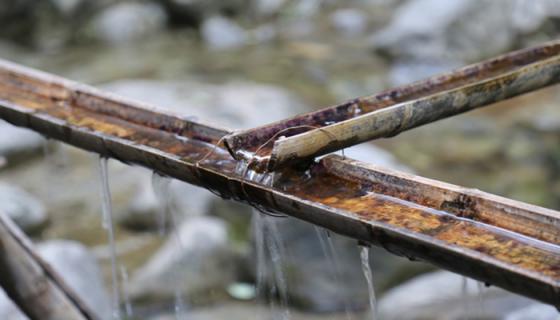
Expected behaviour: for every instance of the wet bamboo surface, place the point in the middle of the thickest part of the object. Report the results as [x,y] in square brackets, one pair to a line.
[396,110]
[499,241]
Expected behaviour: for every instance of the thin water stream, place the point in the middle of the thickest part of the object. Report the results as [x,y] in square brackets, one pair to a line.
[364,255]
[329,251]
[107,223]
[168,217]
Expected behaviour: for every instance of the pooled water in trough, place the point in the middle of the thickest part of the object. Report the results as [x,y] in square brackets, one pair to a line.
[107,222]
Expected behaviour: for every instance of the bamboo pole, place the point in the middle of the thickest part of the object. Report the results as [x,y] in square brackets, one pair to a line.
[31,284]
[399,109]
[449,227]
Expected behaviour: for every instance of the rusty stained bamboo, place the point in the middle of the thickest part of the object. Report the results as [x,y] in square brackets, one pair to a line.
[394,111]
[499,241]
[30,282]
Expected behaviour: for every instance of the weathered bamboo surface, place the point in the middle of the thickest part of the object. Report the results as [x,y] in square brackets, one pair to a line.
[394,111]
[499,241]
[31,283]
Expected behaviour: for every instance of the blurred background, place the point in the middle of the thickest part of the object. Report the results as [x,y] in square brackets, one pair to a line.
[182,252]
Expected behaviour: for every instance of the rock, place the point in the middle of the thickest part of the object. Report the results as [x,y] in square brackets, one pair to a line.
[68,7]
[220,33]
[129,21]
[244,311]
[369,153]
[440,295]
[459,30]
[17,142]
[315,281]
[160,200]
[199,263]
[8,310]
[79,270]
[349,22]
[537,311]
[26,211]
[403,72]
[193,12]
[268,7]
[234,104]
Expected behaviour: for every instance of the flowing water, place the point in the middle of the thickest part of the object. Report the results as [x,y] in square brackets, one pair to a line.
[167,216]
[329,251]
[107,223]
[364,254]
[126,294]
[161,187]
[270,251]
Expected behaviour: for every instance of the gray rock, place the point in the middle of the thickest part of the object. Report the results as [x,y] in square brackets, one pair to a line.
[26,211]
[68,7]
[441,295]
[193,12]
[369,153]
[537,311]
[349,22]
[195,262]
[403,72]
[320,277]
[244,311]
[268,7]
[8,310]
[16,142]
[433,29]
[160,201]
[313,281]
[129,21]
[79,270]
[220,33]
[234,104]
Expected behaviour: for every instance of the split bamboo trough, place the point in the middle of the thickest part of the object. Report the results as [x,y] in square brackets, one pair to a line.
[496,240]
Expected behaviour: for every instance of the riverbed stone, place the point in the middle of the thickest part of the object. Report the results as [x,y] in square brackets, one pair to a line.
[196,261]
[433,29]
[236,104]
[349,22]
[160,202]
[16,143]
[220,33]
[315,281]
[26,210]
[129,21]
[78,269]
[537,311]
[441,295]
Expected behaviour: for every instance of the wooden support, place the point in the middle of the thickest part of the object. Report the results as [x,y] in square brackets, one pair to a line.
[30,282]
